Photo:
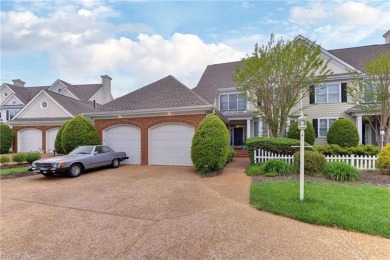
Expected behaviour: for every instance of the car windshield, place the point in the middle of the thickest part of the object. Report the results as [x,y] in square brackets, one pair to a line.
[82,150]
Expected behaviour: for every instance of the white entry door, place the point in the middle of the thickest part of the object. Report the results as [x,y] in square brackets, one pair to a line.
[124,138]
[170,144]
[29,140]
[51,135]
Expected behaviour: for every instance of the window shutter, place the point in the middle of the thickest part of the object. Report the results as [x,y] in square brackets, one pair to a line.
[312,93]
[343,92]
[315,125]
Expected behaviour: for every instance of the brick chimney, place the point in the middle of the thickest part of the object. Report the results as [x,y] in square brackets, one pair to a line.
[18,83]
[387,36]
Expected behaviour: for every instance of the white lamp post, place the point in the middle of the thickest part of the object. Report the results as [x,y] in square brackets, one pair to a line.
[302,125]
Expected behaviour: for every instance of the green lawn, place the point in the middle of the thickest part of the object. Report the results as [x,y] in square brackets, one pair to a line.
[13,170]
[362,208]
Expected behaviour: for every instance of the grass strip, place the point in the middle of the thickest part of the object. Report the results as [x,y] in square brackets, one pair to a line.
[363,208]
[7,171]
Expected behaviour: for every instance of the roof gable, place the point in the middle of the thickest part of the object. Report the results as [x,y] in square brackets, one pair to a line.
[164,93]
[11,100]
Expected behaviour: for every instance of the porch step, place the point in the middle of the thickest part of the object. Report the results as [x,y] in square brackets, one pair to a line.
[241,154]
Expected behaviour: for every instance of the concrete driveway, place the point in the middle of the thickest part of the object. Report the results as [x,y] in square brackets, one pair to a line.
[139,212]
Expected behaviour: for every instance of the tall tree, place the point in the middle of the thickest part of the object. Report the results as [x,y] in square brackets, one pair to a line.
[278,75]
[371,93]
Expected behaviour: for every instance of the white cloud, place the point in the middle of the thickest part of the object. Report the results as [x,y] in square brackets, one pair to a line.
[357,14]
[310,14]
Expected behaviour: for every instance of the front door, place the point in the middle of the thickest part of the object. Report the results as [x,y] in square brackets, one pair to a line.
[238,136]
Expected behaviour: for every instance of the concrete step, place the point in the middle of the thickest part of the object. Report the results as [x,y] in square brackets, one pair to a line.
[241,154]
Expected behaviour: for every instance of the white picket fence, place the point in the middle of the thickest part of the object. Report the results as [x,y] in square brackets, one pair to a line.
[360,162]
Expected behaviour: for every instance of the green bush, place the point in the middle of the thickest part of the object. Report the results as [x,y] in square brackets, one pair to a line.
[6,138]
[210,145]
[295,133]
[231,154]
[78,131]
[341,171]
[30,157]
[314,162]
[383,161]
[255,169]
[344,133]
[5,159]
[19,157]
[334,149]
[278,167]
[272,144]
[58,141]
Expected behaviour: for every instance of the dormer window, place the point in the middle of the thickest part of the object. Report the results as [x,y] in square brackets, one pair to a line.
[59,90]
[5,94]
[44,105]
[14,102]
[232,101]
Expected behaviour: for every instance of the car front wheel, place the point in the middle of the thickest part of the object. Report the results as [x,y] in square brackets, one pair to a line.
[115,163]
[75,170]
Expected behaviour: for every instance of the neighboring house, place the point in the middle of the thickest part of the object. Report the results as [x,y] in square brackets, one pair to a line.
[36,113]
[329,102]
[155,124]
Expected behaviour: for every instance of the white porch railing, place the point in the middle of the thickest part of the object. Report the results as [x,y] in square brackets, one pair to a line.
[361,162]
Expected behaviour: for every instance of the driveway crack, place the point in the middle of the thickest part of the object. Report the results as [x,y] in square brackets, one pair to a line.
[354,246]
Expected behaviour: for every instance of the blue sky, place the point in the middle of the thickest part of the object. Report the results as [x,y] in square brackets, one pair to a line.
[138,42]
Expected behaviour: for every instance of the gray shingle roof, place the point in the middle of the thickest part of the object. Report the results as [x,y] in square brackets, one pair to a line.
[215,77]
[83,92]
[25,94]
[164,93]
[72,105]
[358,56]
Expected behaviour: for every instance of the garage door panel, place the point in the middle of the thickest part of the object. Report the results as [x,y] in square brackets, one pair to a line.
[170,144]
[124,138]
[29,140]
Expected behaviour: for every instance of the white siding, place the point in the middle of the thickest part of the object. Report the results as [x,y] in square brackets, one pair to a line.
[35,110]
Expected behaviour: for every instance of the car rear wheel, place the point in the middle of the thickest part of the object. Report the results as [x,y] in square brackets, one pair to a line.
[115,163]
[75,170]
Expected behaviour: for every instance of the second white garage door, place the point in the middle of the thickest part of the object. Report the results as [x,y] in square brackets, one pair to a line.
[29,140]
[124,138]
[51,135]
[170,144]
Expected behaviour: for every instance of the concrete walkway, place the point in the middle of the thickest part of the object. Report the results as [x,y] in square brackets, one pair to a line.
[138,212]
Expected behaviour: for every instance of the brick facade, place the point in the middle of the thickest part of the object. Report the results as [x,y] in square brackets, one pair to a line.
[145,123]
[42,128]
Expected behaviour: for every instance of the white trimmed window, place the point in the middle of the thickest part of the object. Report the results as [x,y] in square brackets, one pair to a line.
[329,93]
[323,126]
[44,105]
[232,101]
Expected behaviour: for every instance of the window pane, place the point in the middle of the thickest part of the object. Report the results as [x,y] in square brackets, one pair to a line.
[232,101]
[323,127]
[224,102]
[241,102]
[331,121]
[321,94]
[333,93]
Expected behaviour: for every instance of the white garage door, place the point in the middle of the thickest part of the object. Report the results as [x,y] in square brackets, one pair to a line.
[50,139]
[29,140]
[124,138]
[170,144]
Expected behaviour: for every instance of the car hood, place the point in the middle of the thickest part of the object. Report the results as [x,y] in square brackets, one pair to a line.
[64,158]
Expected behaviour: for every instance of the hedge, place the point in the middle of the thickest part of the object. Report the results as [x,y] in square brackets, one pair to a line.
[6,138]
[278,145]
[334,149]
[58,141]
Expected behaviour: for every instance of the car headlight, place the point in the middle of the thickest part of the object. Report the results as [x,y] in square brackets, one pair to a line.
[59,165]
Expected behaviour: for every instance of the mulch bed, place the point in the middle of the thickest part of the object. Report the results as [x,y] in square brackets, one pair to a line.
[375,178]
[17,175]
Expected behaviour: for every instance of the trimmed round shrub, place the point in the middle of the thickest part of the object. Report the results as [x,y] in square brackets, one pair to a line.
[78,131]
[210,145]
[5,159]
[383,161]
[341,171]
[295,133]
[30,157]
[277,167]
[313,164]
[6,138]
[344,133]
[19,157]
[58,141]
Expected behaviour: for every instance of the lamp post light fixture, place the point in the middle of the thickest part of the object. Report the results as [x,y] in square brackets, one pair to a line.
[382,133]
[302,125]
